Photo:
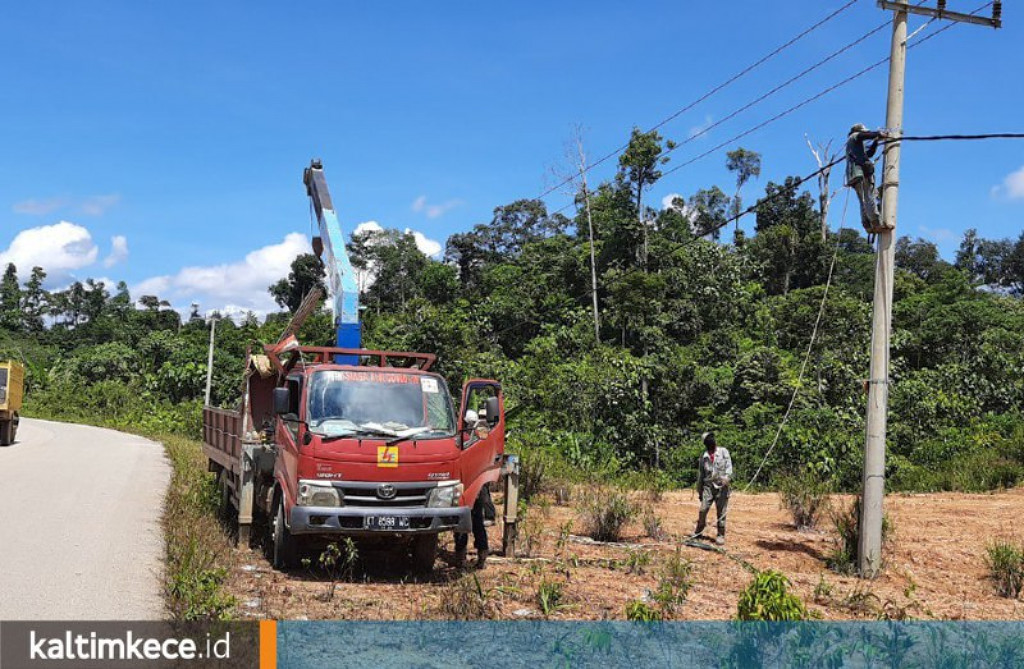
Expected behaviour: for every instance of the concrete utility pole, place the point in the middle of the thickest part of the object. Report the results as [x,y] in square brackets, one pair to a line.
[209,360]
[870,545]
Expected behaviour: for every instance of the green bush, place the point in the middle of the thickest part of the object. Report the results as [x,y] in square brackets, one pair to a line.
[767,598]
[1005,561]
[805,496]
[675,583]
[843,557]
[642,612]
[605,511]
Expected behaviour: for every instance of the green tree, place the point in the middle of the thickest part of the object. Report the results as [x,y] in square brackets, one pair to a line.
[307,273]
[10,299]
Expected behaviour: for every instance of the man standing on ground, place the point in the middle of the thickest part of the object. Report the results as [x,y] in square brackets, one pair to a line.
[714,473]
[480,508]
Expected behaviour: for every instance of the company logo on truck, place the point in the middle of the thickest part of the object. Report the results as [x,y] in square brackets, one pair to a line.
[386,491]
[387,456]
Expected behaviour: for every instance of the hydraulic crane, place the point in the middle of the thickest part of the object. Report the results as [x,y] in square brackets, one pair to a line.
[329,246]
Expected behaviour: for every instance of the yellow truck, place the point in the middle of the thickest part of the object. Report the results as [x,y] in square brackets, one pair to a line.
[12,391]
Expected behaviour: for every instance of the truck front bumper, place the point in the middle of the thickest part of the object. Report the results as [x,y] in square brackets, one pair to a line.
[353,520]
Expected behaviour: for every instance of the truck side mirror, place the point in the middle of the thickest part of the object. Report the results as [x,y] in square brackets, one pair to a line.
[493,407]
[282,400]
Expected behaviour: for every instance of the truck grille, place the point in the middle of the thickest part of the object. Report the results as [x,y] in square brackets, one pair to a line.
[406,495]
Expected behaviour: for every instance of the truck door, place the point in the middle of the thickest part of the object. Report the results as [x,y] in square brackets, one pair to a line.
[288,426]
[483,435]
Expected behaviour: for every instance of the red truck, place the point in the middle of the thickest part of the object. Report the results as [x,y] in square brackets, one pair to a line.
[371,449]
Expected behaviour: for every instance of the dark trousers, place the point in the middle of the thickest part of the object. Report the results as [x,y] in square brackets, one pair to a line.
[720,498]
[479,531]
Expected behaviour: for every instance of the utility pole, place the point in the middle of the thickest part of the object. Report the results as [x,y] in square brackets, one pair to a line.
[870,543]
[209,360]
[582,157]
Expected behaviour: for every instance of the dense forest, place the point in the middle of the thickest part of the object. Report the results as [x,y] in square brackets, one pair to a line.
[697,326]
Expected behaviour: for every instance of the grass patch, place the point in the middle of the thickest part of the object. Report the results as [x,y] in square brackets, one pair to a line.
[194,540]
[846,522]
[767,598]
[605,512]
[1005,561]
[805,496]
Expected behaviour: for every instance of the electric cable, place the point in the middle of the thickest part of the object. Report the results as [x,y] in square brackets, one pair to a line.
[750,68]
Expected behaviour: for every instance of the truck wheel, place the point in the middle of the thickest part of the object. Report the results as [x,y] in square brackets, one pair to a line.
[284,551]
[6,432]
[424,553]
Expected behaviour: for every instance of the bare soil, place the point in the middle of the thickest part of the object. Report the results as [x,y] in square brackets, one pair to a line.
[935,568]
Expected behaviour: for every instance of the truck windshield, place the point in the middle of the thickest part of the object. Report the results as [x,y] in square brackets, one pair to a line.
[391,403]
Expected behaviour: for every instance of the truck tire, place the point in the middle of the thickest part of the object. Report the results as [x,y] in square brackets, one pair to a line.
[283,548]
[6,432]
[424,553]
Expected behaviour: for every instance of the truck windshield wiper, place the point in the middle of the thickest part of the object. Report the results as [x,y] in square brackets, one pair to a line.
[406,437]
[354,432]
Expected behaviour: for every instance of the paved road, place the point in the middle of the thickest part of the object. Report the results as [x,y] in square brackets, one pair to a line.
[80,535]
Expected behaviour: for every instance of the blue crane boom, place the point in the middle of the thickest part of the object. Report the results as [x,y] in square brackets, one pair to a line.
[342,289]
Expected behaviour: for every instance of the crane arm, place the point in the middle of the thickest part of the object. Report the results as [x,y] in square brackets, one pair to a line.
[343,292]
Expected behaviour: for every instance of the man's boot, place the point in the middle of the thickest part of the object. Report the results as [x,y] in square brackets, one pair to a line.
[720,540]
[481,558]
[460,558]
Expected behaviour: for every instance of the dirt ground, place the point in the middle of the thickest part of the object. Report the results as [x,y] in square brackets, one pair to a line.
[935,568]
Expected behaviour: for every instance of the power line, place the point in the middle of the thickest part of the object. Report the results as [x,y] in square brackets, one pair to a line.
[750,68]
[798,182]
[808,101]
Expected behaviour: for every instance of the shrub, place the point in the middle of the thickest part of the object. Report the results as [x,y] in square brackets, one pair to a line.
[1005,562]
[531,474]
[464,599]
[642,612]
[652,525]
[843,556]
[605,511]
[676,581]
[767,598]
[637,561]
[549,596]
[805,496]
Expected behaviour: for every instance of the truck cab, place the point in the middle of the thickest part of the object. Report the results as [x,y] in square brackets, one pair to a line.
[12,386]
[368,450]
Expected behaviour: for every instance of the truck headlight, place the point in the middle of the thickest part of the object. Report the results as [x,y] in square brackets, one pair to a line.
[312,494]
[445,495]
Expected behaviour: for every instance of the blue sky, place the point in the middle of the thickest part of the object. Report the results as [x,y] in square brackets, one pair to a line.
[170,138]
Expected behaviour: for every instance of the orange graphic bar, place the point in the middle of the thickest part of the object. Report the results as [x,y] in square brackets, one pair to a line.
[268,644]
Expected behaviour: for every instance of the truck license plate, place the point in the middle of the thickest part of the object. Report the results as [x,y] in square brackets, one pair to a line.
[387,523]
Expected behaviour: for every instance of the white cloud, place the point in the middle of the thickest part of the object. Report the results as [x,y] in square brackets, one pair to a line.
[1012,186]
[97,205]
[241,284]
[367,226]
[700,130]
[428,247]
[420,205]
[59,249]
[938,235]
[118,250]
[35,207]
[93,205]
